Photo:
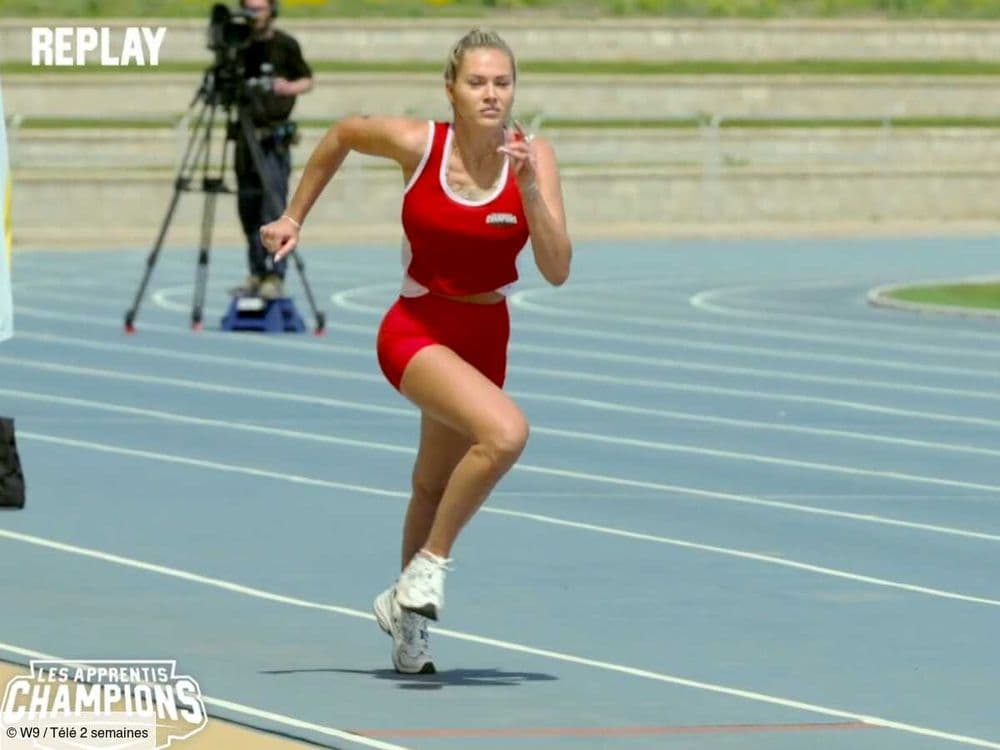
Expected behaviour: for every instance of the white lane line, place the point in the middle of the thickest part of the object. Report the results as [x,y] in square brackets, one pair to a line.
[707,300]
[509,645]
[196,385]
[520,299]
[606,406]
[411,413]
[237,708]
[758,458]
[669,341]
[540,518]
[169,416]
[311,344]
[563,375]
[344,299]
[214,465]
[753,372]
[186,356]
[750,500]
[521,467]
[742,554]
[749,424]
[163,299]
[112,279]
[621,481]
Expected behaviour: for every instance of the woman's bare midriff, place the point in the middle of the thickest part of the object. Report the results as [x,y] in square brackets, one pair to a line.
[483,298]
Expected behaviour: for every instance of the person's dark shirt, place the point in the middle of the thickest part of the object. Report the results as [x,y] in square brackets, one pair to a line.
[283,53]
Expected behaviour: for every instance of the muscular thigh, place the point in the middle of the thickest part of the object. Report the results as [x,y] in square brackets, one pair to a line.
[441,448]
[456,394]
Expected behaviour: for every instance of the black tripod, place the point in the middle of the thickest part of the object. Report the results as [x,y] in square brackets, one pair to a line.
[223,88]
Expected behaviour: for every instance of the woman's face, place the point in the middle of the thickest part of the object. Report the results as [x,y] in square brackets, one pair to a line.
[483,91]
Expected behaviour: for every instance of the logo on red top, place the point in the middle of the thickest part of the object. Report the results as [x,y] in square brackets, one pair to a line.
[501,218]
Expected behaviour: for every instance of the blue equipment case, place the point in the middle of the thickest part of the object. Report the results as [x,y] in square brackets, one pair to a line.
[263,315]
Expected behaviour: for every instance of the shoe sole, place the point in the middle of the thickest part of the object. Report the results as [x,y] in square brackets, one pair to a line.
[385,623]
[428,668]
[382,618]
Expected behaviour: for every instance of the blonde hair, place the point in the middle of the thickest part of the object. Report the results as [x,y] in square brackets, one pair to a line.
[476,39]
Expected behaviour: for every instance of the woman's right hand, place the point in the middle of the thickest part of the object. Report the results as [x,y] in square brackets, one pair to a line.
[280,237]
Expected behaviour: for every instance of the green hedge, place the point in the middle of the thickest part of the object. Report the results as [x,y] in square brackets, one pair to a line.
[949,68]
[679,123]
[568,8]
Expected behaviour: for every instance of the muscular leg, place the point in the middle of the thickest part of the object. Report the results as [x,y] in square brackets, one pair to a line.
[441,448]
[250,201]
[277,169]
[452,392]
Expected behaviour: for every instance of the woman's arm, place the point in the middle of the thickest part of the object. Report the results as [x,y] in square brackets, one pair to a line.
[537,174]
[400,139]
[543,207]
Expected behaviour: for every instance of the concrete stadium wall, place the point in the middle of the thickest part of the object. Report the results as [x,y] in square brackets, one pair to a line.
[365,203]
[567,96]
[100,187]
[544,38]
[802,148]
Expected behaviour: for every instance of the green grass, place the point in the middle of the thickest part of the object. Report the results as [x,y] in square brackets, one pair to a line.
[624,67]
[568,8]
[980,295]
[787,122]
[75,123]
[119,123]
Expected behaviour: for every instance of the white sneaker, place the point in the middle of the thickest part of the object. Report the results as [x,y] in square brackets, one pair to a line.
[420,587]
[411,651]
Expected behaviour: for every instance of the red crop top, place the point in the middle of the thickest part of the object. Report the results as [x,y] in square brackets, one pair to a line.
[453,245]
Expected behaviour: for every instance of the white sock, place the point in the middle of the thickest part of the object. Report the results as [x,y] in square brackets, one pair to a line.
[434,558]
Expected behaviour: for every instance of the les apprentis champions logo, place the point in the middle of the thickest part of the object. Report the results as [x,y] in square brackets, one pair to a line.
[125,705]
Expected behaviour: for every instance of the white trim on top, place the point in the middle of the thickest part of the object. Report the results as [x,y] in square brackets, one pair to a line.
[423,159]
[411,287]
[443,176]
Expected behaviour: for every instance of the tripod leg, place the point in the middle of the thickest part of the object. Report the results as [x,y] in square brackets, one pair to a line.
[181,184]
[211,186]
[256,155]
[131,313]
[300,266]
[201,278]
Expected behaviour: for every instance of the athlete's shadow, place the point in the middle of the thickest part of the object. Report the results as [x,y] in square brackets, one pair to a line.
[446,678]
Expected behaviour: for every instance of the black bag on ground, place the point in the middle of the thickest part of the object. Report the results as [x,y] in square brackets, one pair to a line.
[11,476]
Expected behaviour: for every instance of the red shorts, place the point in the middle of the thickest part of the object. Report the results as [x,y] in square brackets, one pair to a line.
[476,333]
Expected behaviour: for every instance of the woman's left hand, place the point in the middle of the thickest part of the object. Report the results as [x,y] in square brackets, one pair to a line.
[523,156]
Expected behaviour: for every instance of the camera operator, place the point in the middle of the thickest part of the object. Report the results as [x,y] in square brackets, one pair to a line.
[276,73]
